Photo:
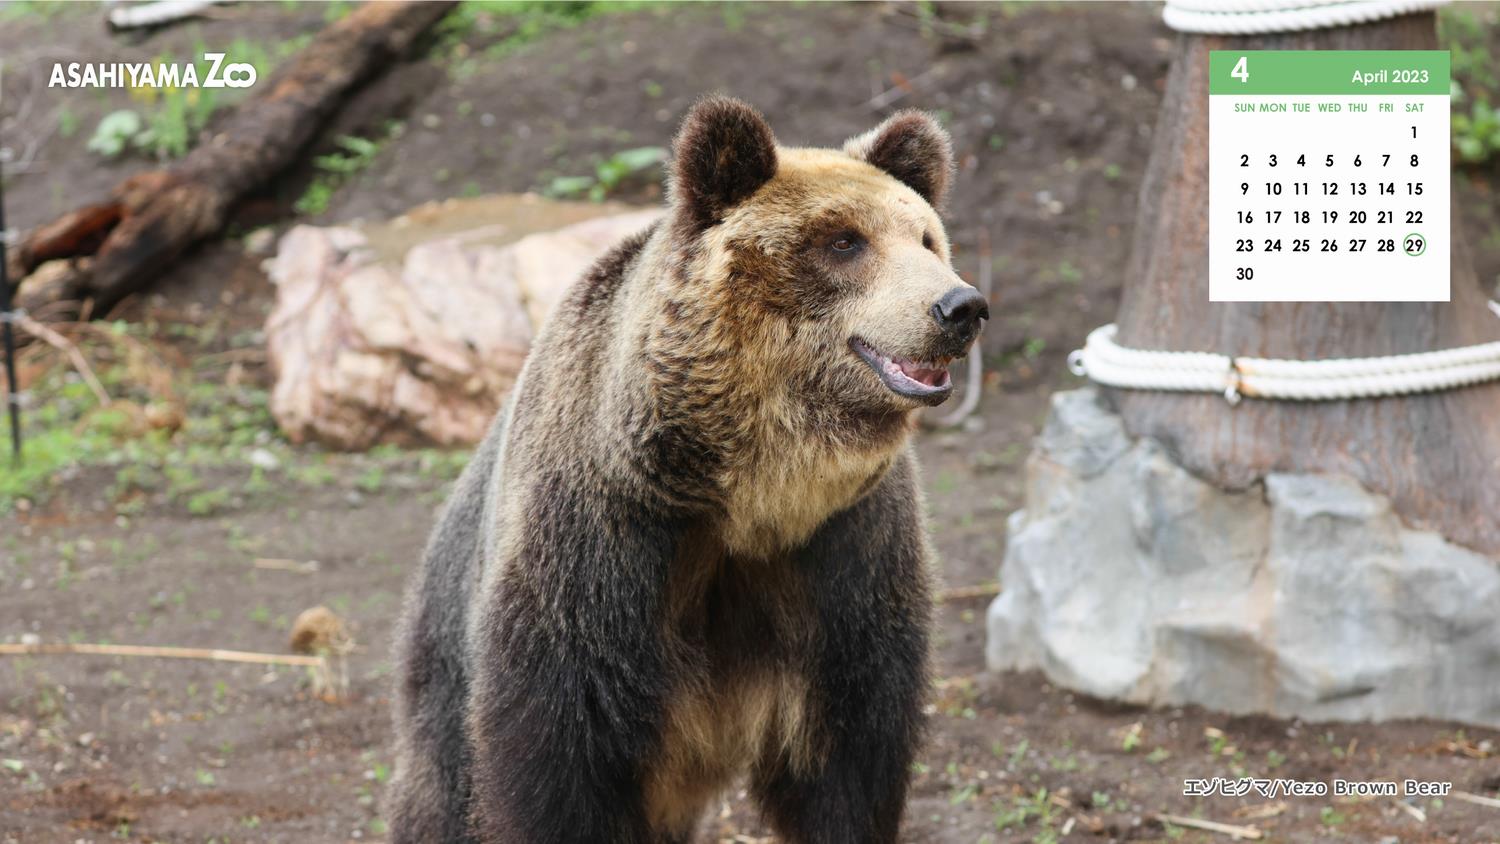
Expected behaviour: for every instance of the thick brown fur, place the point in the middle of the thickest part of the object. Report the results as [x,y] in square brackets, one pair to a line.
[692,546]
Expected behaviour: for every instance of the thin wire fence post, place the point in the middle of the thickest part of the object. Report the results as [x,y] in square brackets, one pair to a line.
[8,327]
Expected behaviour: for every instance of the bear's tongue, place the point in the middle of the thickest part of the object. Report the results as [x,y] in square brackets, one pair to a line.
[923,373]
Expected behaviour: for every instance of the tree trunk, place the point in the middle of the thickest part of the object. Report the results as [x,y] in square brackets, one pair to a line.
[1436,456]
[124,243]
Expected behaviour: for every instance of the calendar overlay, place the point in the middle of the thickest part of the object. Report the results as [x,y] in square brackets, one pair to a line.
[1328,176]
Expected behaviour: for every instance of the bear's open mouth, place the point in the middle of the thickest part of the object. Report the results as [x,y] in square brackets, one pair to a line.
[925,381]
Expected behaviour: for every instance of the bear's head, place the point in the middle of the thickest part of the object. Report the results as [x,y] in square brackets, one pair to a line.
[818,281]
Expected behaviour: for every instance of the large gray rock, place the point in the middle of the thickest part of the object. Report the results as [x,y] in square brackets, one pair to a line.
[1126,577]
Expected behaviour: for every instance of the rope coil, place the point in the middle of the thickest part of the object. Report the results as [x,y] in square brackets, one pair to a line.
[1106,362]
[1255,17]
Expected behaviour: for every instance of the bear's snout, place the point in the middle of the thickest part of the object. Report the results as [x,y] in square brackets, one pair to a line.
[960,312]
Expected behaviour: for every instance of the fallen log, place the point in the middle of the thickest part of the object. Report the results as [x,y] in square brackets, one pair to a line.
[123,244]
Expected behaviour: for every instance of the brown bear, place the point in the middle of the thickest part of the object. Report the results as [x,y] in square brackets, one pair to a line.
[692,546]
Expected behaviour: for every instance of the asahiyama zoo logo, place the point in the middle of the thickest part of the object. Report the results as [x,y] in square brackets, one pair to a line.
[153,75]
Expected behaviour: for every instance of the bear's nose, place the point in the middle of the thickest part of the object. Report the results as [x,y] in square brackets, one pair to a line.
[960,310]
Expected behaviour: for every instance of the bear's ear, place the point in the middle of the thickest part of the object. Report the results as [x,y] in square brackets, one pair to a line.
[911,146]
[723,153]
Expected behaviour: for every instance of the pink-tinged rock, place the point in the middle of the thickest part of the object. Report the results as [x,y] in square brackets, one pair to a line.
[384,335]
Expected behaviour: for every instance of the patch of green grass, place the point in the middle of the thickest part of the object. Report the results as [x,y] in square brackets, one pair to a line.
[66,428]
[1467,34]
[609,174]
[46,454]
[336,10]
[1036,810]
[734,16]
[67,121]
[353,155]
[1018,755]
[1476,135]
[442,464]
[480,30]
[45,10]
[208,502]
[371,480]
[198,459]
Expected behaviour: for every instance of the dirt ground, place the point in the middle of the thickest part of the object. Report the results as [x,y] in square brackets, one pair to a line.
[1052,110]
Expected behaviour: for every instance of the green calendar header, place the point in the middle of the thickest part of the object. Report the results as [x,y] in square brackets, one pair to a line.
[1342,72]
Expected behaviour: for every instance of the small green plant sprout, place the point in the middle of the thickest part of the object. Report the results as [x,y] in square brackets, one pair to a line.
[353,155]
[1476,135]
[1018,755]
[1023,811]
[1218,742]
[1132,738]
[609,174]
[1476,83]
[371,480]
[115,133]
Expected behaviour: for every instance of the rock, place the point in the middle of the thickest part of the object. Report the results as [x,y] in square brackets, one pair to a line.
[261,242]
[319,630]
[413,331]
[261,458]
[1126,577]
[544,265]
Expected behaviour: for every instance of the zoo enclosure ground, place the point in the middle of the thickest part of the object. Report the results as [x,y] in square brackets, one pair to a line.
[1051,108]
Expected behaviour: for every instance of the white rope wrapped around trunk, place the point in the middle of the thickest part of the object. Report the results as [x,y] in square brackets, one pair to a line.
[1108,363]
[1255,17]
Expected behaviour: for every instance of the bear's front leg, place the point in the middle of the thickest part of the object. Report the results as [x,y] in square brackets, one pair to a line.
[869,583]
[569,672]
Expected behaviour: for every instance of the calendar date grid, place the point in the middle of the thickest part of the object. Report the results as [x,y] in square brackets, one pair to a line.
[1304,224]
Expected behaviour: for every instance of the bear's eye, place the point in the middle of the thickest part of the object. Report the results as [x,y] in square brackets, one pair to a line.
[846,243]
[927,242]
